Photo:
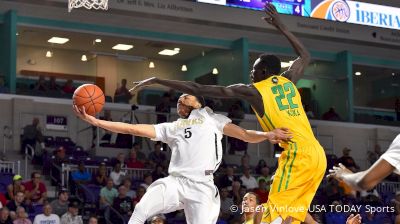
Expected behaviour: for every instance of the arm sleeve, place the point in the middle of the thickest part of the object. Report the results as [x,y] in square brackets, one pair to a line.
[220,120]
[392,155]
[162,132]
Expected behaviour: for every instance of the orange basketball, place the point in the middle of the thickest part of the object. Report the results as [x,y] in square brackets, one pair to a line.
[91,97]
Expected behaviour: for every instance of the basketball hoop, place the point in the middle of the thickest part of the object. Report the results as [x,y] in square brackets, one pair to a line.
[89,4]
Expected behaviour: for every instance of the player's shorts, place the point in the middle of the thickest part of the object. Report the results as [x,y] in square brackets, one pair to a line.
[200,200]
[301,168]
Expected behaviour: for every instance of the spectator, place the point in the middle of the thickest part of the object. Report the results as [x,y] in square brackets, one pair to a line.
[60,156]
[347,160]
[157,156]
[40,85]
[101,177]
[47,216]
[371,218]
[333,191]
[3,200]
[236,113]
[265,176]
[248,181]
[81,176]
[3,88]
[22,216]
[235,193]
[158,173]
[122,203]
[148,180]
[371,197]
[226,204]
[374,156]
[308,111]
[139,194]
[262,191]
[68,87]
[139,154]
[31,135]
[35,190]
[52,85]
[107,194]
[121,160]
[158,219]
[244,163]
[15,187]
[128,184]
[227,179]
[249,203]
[331,115]
[122,94]
[261,164]
[163,107]
[5,216]
[19,201]
[93,220]
[72,216]
[133,162]
[60,205]
[117,175]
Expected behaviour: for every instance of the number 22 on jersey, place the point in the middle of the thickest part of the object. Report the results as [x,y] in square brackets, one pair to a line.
[286,91]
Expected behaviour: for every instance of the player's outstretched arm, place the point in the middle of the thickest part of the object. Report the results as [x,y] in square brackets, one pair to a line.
[142,130]
[364,180]
[295,71]
[276,136]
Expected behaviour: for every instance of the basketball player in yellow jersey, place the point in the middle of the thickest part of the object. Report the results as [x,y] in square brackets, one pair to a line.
[277,103]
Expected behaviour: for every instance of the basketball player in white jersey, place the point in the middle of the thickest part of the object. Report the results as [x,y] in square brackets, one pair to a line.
[195,140]
[368,179]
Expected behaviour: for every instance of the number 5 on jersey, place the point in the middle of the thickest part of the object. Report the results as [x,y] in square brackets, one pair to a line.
[188,133]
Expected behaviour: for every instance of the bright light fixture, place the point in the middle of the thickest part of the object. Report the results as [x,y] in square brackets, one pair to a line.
[97,40]
[58,40]
[215,71]
[393,74]
[49,54]
[151,65]
[83,58]
[357,73]
[184,68]
[122,47]
[169,52]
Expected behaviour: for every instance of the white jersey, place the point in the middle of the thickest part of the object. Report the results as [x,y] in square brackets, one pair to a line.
[392,155]
[195,143]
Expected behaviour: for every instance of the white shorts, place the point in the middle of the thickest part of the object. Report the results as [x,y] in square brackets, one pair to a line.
[200,200]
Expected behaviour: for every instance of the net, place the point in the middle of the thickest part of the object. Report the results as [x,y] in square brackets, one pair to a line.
[89,4]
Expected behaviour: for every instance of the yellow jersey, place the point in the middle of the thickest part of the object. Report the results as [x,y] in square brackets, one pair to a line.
[283,108]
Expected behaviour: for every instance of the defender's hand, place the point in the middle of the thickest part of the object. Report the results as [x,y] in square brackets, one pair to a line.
[279,135]
[272,16]
[143,83]
[339,172]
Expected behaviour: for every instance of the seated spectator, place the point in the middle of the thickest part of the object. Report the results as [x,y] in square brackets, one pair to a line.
[261,164]
[68,87]
[5,216]
[148,180]
[72,216]
[265,176]
[35,190]
[158,173]
[93,220]
[244,163]
[371,197]
[52,85]
[120,159]
[122,203]
[331,115]
[60,205]
[81,176]
[15,187]
[3,88]
[309,113]
[374,156]
[3,200]
[227,179]
[107,194]
[122,94]
[47,216]
[249,204]
[348,161]
[31,135]
[262,191]
[101,177]
[226,204]
[248,181]
[157,156]
[128,184]
[21,217]
[158,219]
[60,157]
[40,85]
[117,175]
[139,154]
[333,191]
[139,194]
[133,162]
[19,201]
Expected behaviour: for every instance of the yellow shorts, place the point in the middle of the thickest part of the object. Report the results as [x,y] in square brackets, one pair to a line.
[301,169]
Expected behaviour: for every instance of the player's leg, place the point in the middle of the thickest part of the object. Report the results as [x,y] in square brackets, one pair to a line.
[161,197]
